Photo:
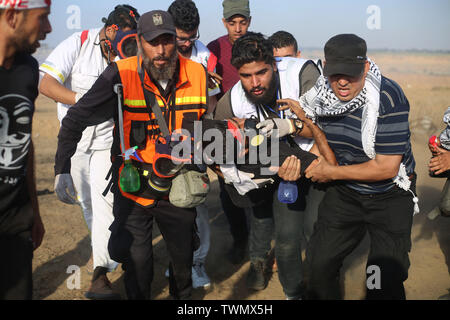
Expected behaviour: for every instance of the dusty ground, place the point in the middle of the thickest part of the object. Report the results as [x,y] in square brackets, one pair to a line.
[426,81]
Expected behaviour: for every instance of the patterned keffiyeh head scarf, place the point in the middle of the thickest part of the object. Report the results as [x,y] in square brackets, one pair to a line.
[321,101]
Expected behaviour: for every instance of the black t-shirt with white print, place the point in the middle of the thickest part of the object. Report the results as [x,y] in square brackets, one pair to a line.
[18,91]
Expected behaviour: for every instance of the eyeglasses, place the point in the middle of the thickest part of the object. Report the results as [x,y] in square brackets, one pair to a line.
[183,40]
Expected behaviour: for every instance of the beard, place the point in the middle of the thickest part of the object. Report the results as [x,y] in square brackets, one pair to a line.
[23,45]
[185,49]
[164,73]
[22,41]
[267,97]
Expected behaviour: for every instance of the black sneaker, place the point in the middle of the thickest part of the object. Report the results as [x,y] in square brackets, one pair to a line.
[236,255]
[257,275]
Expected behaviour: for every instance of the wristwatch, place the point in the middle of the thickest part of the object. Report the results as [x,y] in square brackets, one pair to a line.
[298,125]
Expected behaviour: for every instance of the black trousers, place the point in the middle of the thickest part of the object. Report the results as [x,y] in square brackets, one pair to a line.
[344,217]
[16,249]
[131,244]
[16,267]
[236,216]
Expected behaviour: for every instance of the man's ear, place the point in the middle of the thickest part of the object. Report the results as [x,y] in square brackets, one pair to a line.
[274,66]
[249,21]
[11,17]
[299,54]
[366,67]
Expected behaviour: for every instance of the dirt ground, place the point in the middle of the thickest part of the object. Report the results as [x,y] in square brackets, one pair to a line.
[426,81]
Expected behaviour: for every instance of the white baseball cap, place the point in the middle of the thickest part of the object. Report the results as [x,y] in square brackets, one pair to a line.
[24,4]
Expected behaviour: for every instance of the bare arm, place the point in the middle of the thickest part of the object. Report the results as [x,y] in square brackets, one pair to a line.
[321,146]
[51,88]
[381,168]
[440,162]
[310,130]
[37,233]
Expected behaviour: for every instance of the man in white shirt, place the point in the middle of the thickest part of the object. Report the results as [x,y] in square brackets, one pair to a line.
[67,74]
[186,19]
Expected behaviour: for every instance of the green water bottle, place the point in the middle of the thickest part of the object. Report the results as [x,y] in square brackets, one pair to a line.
[129,178]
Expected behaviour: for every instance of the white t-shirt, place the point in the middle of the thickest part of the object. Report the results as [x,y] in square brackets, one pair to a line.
[77,68]
[200,53]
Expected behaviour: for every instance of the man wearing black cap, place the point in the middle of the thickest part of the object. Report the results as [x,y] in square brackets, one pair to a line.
[365,118]
[179,87]
[67,73]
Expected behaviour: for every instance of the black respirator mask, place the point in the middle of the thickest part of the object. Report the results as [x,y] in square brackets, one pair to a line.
[166,166]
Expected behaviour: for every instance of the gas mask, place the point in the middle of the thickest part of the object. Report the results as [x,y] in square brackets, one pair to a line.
[166,166]
[125,44]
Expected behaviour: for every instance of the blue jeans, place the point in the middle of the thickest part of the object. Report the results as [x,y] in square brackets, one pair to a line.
[289,223]
[203,232]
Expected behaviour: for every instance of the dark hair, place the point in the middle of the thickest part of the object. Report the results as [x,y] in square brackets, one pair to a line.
[122,16]
[283,39]
[251,47]
[185,15]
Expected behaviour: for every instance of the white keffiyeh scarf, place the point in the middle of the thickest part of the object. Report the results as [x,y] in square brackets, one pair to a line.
[320,101]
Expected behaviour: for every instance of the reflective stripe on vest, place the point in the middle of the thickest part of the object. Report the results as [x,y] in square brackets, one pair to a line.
[190,97]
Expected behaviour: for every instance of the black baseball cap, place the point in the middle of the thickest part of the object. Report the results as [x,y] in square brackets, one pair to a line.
[155,23]
[345,54]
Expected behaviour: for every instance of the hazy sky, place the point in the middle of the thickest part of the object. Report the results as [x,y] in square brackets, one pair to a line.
[394,24]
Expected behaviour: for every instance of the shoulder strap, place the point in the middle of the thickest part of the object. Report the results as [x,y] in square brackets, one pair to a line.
[84,36]
[152,105]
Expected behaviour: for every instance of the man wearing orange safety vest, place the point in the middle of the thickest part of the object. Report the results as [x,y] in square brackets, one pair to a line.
[179,86]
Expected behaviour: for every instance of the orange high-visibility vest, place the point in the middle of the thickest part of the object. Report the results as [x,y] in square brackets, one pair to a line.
[190,97]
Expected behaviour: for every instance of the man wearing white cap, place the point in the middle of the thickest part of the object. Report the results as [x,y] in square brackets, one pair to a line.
[23,24]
